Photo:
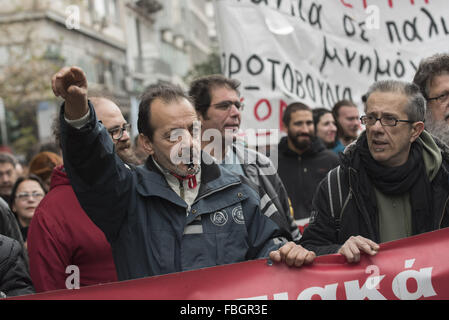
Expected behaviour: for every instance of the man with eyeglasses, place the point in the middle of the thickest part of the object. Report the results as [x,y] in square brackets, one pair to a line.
[432,77]
[176,212]
[61,234]
[112,118]
[392,182]
[219,107]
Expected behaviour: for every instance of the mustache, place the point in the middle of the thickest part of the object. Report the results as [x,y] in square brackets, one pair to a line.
[6,184]
[123,144]
[303,135]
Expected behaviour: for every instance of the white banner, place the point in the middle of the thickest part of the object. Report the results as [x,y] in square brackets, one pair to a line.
[319,52]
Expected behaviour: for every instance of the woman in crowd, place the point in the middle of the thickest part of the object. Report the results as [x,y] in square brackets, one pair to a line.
[26,195]
[325,126]
[42,165]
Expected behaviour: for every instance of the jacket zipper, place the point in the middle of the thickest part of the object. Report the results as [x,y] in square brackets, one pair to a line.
[181,189]
[349,197]
[216,190]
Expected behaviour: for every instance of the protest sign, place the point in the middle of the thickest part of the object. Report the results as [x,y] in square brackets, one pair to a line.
[321,51]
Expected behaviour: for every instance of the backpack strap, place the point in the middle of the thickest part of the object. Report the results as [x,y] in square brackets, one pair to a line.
[336,195]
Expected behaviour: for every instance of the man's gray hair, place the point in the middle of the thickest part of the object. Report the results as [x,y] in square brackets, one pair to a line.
[8,158]
[429,68]
[416,106]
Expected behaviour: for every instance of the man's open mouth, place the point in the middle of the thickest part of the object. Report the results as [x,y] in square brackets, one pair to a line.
[379,145]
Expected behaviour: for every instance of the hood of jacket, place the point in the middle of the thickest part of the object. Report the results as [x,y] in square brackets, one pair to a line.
[317,146]
[434,153]
[59,177]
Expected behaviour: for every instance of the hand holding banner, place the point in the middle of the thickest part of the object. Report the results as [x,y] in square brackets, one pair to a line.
[411,268]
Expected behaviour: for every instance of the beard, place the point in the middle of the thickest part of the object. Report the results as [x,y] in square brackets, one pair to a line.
[350,135]
[438,128]
[5,189]
[126,153]
[300,145]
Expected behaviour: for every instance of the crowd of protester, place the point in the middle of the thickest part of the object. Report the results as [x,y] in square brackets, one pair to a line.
[119,210]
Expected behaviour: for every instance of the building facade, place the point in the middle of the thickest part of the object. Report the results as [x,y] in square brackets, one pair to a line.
[123,45]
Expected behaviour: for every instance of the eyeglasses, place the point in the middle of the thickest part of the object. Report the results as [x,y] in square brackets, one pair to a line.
[25,195]
[442,98]
[226,105]
[117,133]
[387,121]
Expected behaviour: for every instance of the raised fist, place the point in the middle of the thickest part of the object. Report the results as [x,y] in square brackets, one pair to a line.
[70,83]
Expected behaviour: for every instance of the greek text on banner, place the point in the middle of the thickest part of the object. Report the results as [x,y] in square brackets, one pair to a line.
[411,268]
[321,51]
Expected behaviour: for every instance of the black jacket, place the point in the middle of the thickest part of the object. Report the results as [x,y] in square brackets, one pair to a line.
[301,174]
[331,225]
[10,227]
[151,229]
[8,222]
[14,277]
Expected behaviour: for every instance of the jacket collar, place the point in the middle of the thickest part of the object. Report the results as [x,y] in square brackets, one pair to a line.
[348,155]
[151,182]
[59,177]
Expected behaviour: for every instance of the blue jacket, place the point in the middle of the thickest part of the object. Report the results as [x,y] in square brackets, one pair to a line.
[150,228]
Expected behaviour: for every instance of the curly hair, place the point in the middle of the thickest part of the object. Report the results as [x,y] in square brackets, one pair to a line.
[429,68]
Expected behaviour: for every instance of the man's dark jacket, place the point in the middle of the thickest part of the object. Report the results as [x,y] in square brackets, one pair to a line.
[14,277]
[326,233]
[10,227]
[8,222]
[301,174]
[152,231]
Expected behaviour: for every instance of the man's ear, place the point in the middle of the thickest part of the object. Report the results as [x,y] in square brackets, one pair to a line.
[146,144]
[417,129]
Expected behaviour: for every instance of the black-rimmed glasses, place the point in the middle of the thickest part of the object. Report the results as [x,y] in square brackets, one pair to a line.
[441,98]
[117,133]
[226,105]
[387,121]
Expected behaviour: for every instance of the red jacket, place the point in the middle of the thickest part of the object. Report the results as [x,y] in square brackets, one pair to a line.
[60,235]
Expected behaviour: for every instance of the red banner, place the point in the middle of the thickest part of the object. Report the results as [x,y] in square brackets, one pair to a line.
[411,268]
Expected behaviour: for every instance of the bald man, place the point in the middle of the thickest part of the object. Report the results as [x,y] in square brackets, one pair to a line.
[61,234]
[119,130]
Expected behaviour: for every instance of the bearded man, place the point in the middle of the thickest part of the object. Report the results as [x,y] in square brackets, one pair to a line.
[303,159]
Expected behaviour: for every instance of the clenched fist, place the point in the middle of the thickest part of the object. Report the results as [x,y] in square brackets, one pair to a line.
[70,83]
